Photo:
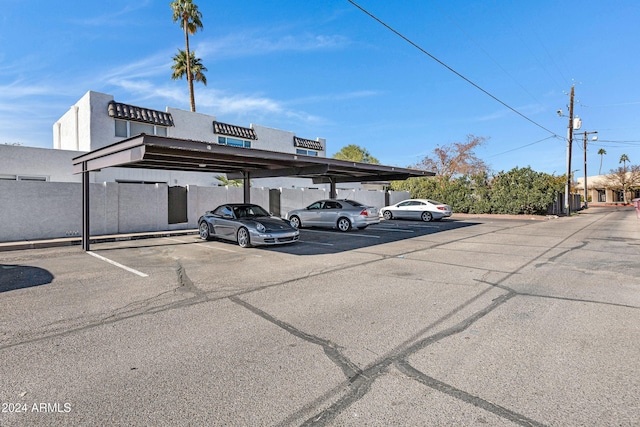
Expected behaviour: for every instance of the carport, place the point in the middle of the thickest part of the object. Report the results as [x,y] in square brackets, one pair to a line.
[157,152]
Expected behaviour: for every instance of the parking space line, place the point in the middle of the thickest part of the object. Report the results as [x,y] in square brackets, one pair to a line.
[350,234]
[117,264]
[204,246]
[316,243]
[399,230]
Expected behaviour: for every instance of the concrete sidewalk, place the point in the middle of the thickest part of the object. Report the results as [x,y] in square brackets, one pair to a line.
[69,241]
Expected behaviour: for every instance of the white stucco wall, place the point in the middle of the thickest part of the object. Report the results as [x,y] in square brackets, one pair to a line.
[170,178]
[188,125]
[101,130]
[86,125]
[273,139]
[280,140]
[46,210]
[56,165]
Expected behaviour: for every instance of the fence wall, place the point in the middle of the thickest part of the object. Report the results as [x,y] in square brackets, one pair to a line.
[45,210]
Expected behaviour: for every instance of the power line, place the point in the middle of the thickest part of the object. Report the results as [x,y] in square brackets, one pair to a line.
[449,68]
[523,146]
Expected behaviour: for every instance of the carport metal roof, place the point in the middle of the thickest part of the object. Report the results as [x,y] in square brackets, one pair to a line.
[157,152]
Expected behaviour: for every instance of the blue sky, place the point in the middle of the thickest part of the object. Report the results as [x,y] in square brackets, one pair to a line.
[326,69]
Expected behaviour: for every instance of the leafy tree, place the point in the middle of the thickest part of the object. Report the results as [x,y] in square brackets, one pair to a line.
[355,153]
[230,182]
[523,191]
[180,67]
[464,194]
[601,153]
[190,18]
[460,176]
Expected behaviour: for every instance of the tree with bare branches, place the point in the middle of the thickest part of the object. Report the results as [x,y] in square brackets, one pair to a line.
[624,178]
[456,159]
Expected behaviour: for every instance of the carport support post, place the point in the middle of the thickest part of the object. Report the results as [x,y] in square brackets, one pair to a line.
[85,207]
[332,188]
[246,183]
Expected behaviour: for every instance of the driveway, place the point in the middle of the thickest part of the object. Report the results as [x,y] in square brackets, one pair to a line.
[472,321]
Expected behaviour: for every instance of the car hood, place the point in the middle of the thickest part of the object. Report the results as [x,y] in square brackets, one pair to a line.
[271,223]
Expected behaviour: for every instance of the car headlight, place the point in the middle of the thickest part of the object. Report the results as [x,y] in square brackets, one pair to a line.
[260,227]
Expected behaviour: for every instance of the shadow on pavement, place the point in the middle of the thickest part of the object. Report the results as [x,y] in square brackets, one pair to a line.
[14,277]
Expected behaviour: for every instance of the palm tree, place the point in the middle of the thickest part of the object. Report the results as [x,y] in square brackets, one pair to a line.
[230,182]
[624,159]
[187,13]
[601,153]
[180,67]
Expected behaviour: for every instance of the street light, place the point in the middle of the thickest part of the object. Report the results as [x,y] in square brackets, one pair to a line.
[593,138]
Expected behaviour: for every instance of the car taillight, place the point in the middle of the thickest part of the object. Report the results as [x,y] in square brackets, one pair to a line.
[441,208]
[364,212]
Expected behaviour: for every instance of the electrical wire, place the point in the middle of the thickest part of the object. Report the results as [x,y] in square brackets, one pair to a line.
[450,69]
[523,146]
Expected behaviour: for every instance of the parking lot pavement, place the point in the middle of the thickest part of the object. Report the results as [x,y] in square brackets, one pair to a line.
[475,321]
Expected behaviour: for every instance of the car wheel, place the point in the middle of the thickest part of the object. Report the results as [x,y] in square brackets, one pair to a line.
[294,221]
[204,231]
[344,224]
[387,215]
[426,216]
[243,238]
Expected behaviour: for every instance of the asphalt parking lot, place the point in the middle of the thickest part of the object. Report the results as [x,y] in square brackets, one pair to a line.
[470,321]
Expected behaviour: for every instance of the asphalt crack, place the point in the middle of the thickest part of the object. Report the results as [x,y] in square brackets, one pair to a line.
[331,349]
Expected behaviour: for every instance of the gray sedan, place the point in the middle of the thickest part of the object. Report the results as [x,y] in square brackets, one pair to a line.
[246,224]
[341,214]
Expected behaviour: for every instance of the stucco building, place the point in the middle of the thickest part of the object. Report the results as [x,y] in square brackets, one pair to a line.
[98,120]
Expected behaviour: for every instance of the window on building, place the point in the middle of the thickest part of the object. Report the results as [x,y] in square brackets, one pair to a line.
[234,142]
[602,196]
[618,196]
[306,152]
[127,128]
[136,128]
[32,178]
[122,128]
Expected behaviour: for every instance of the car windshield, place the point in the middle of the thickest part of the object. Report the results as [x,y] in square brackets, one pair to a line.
[249,211]
[354,203]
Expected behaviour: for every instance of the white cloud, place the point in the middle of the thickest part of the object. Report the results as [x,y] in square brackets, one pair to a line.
[242,45]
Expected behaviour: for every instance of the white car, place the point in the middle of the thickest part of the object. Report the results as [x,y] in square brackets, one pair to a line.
[423,209]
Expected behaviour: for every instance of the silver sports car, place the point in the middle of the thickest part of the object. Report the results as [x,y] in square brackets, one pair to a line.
[341,214]
[246,224]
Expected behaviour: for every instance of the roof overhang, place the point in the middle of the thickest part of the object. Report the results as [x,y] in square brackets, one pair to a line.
[157,152]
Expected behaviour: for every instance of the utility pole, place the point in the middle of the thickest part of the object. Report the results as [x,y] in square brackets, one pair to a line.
[567,206]
[586,194]
[586,201]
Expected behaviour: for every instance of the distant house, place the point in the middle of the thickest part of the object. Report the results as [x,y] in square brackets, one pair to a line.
[600,190]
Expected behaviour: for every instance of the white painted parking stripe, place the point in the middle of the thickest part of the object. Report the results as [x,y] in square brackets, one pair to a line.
[117,264]
[334,233]
[316,243]
[399,230]
[203,245]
